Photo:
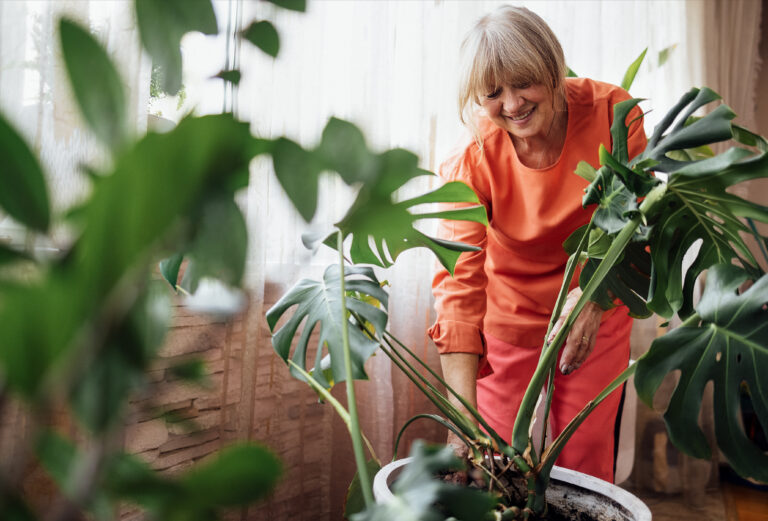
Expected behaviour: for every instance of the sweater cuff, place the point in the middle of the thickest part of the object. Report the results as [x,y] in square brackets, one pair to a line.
[451,336]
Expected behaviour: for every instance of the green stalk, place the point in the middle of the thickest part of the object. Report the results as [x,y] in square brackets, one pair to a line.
[570,270]
[354,422]
[338,407]
[549,356]
[554,450]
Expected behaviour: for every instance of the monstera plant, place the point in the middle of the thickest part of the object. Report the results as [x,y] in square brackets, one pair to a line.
[649,212]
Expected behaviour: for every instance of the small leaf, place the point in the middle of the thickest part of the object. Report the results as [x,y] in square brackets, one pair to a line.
[263,35]
[355,502]
[95,83]
[239,475]
[298,172]
[293,5]
[344,150]
[665,53]
[586,171]
[629,76]
[161,27]
[571,74]
[231,76]
[190,370]
[23,191]
[169,269]
[58,455]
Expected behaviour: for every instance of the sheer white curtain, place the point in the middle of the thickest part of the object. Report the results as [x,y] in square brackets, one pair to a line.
[390,67]
[34,91]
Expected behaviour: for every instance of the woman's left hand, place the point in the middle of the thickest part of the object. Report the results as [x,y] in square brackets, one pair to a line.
[581,339]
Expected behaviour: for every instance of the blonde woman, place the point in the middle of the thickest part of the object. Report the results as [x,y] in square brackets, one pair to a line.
[530,127]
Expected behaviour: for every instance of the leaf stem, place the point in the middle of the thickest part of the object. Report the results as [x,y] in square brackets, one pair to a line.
[354,422]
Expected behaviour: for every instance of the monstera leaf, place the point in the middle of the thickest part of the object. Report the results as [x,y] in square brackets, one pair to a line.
[712,128]
[319,303]
[727,344]
[697,208]
[382,228]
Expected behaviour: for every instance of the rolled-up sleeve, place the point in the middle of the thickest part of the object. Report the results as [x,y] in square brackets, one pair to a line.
[460,301]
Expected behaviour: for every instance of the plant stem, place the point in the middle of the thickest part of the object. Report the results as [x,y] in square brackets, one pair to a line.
[520,438]
[553,451]
[354,422]
[338,407]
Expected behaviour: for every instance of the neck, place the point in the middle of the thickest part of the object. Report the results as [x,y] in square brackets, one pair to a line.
[544,149]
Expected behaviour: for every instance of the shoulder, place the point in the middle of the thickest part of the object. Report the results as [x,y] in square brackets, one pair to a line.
[466,160]
[585,91]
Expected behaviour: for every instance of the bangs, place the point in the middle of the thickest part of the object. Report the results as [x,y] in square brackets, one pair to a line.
[497,65]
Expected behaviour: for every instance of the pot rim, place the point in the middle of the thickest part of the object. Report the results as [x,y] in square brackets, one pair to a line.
[632,503]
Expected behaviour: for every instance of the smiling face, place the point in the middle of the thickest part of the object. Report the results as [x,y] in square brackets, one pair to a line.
[524,110]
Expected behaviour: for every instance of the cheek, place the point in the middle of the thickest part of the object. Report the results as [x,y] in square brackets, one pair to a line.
[491,107]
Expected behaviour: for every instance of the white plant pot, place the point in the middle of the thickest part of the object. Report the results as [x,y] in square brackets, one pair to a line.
[568,491]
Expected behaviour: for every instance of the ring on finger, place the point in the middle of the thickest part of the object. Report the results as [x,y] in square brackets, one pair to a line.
[585,339]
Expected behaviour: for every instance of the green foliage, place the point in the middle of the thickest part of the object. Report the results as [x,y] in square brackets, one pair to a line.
[232,76]
[24,194]
[417,492]
[354,502]
[263,35]
[725,344]
[319,302]
[629,76]
[161,26]
[293,5]
[95,83]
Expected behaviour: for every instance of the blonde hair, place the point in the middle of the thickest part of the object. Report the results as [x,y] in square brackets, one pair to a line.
[510,46]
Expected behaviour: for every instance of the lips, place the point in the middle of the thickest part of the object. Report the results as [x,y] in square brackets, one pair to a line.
[520,117]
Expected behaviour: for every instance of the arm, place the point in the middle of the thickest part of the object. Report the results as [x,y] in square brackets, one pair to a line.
[460,301]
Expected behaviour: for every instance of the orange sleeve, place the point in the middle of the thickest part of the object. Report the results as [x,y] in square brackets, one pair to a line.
[460,301]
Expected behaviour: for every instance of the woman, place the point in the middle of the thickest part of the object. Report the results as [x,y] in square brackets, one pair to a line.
[531,127]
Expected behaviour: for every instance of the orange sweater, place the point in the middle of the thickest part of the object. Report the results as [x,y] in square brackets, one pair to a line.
[509,288]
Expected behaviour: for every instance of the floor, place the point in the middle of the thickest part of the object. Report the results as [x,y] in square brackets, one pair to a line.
[730,502]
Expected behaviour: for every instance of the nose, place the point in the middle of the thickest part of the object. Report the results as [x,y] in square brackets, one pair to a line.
[511,101]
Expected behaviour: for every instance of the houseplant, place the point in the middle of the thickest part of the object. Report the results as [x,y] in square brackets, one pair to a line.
[632,252]
[82,323]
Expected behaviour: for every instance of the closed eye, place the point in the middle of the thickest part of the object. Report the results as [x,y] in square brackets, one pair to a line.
[494,94]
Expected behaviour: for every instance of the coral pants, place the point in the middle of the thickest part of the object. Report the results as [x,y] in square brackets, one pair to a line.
[591,448]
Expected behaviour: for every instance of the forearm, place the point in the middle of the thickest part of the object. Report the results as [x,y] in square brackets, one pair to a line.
[460,372]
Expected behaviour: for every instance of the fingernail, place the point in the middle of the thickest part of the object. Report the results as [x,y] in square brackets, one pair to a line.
[565,369]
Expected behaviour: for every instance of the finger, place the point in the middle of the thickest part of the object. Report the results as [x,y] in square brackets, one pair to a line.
[577,350]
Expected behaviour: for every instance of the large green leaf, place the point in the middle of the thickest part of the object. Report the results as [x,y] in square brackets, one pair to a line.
[697,209]
[712,128]
[240,474]
[219,247]
[382,228]
[319,303]
[23,192]
[119,366]
[727,346]
[161,26]
[120,233]
[421,496]
[95,83]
